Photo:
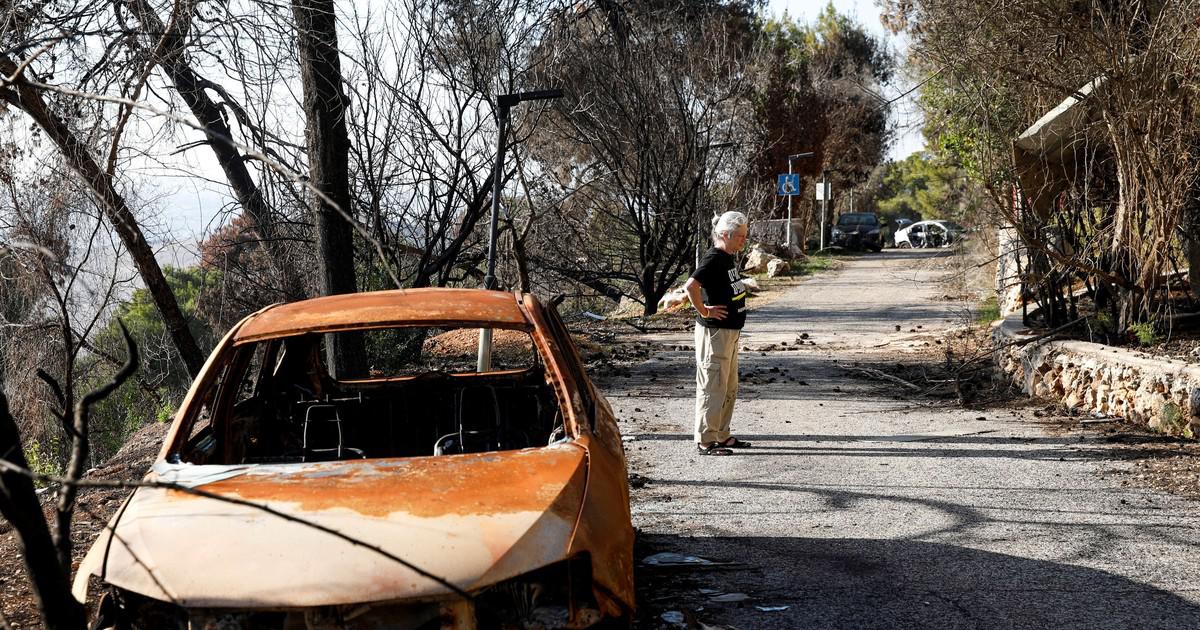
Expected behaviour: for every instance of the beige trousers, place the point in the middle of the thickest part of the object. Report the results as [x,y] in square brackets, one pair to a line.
[716,382]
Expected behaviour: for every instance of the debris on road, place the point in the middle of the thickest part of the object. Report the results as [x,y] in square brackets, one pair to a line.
[671,559]
[939,435]
[883,376]
[637,481]
[772,608]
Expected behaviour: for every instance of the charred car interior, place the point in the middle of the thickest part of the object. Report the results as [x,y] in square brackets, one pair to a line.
[418,397]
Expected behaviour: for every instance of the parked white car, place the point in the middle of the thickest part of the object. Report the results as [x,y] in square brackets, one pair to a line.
[930,234]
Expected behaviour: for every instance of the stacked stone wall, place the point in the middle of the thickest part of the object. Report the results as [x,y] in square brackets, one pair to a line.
[1161,393]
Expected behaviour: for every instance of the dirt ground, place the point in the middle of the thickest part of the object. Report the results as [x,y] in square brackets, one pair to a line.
[1184,346]
[94,508]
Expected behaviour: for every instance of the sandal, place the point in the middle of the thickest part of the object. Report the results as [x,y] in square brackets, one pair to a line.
[713,448]
[732,442]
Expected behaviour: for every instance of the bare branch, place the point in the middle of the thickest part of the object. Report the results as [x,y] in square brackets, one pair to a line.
[80,447]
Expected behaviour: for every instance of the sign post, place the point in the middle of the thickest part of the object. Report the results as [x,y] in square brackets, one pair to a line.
[791,189]
[823,197]
[789,186]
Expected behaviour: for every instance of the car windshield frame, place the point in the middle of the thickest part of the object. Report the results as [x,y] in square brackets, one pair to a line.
[871,219]
[215,396]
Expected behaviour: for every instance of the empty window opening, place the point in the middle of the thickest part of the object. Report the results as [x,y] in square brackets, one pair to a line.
[414,392]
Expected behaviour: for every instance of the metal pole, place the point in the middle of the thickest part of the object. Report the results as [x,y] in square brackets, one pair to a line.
[504,103]
[483,360]
[824,196]
[787,228]
[489,280]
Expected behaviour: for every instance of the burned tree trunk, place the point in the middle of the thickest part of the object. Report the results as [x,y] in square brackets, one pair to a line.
[1193,258]
[80,447]
[1191,246]
[19,505]
[328,159]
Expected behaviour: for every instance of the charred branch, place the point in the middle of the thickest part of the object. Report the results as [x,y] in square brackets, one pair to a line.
[80,448]
[20,507]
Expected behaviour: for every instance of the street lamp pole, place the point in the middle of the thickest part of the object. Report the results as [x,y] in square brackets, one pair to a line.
[504,103]
[787,228]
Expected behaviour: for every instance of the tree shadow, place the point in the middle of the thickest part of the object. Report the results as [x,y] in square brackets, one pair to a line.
[867,583]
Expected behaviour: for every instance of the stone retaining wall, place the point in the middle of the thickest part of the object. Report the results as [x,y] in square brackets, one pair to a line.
[1162,393]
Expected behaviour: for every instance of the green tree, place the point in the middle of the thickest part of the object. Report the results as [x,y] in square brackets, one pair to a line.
[1108,186]
[924,186]
[160,383]
[818,92]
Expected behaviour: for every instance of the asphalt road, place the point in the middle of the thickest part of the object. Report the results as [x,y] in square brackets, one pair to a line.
[856,509]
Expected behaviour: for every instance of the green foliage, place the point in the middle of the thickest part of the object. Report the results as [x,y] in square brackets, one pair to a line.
[811,265]
[41,460]
[923,187]
[391,351]
[1146,333]
[1100,327]
[1172,420]
[159,359]
[131,406]
[988,311]
[851,48]
[813,97]
[125,411]
[973,132]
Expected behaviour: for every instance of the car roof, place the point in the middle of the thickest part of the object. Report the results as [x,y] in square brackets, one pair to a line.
[380,309]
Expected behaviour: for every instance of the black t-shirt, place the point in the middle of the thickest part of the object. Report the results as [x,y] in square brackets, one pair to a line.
[721,285]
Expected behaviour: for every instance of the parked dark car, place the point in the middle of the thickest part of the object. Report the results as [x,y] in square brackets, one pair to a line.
[858,230]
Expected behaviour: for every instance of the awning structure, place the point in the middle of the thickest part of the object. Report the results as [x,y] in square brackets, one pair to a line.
[1048,154]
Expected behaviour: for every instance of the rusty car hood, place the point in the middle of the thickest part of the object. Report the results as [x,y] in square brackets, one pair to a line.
[472,520]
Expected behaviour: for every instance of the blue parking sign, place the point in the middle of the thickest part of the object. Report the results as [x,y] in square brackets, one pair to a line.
[789,184]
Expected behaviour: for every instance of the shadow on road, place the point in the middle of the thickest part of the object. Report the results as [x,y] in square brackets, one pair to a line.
[848,583]
[763,375]
[766,445]
[918,254]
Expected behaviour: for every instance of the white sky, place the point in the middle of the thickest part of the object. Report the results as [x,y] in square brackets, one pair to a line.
[905,114]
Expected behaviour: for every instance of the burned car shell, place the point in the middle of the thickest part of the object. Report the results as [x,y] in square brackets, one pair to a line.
[473,519]
[932,233]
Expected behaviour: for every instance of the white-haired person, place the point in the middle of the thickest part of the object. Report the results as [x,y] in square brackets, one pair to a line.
[719,297]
